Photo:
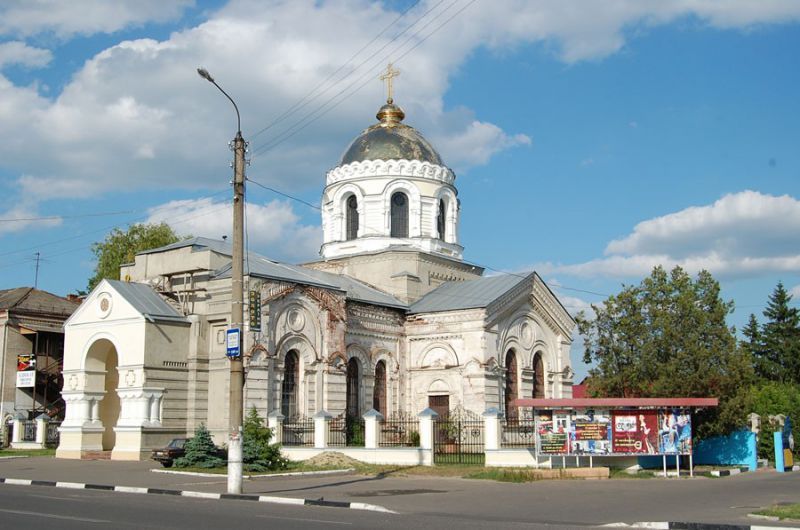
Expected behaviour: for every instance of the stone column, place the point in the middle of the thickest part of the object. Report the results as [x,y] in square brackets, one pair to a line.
[41,429]
[16,437]
[426,419]
[492,429]
[372,426]
[322,420]
[275,422]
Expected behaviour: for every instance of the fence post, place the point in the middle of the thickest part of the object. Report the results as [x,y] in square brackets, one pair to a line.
[426,419]
[372,426]
[18,428]
[492,428]
[275,423]
[41,429]
[322,421]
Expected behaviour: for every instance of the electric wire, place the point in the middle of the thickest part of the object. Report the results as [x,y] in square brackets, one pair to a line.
[343,94]
[303,101]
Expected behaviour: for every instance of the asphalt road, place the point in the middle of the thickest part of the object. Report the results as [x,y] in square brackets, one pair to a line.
[434,502]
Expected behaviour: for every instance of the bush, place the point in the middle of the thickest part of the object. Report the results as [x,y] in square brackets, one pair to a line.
[200,451]
[258,454]
[774,398]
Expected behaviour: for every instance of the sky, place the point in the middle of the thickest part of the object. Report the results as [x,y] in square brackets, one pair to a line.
[591,140]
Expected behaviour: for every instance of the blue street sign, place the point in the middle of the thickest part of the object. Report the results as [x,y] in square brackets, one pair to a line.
[234,352]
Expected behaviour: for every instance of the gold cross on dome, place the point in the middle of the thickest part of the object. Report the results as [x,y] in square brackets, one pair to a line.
[389,77]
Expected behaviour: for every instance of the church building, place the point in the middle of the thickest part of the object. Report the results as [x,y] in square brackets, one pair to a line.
[389,318]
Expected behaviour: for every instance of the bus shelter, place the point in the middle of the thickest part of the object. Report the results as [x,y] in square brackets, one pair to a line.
[607,427]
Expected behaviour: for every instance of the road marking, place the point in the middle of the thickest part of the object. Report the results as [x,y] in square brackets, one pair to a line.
[281,500]
[200,494]
[54,516]
[304,520]
[369,507]
[71,485]
[129,489]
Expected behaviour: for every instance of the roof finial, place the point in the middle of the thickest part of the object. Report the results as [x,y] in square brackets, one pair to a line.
[388,77]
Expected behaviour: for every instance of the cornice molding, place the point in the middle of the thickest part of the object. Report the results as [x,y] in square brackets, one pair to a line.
[391,168]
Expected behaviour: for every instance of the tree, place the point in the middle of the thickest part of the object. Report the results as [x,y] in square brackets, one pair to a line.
[258,454]
[667,337]
[120,247]
[773,398]
[200,451]
[778,358]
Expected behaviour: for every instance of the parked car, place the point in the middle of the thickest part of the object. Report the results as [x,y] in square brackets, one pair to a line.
[167,455]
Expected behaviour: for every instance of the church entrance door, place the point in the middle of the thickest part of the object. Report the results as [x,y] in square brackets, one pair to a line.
[440,405]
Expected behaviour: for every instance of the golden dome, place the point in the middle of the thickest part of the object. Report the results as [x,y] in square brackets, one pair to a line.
[390,139]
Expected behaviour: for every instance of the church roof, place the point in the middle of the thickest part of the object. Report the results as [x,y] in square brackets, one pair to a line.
[390,139]
[146,301]
[262,267]
[197,243]
[470,294]
[31,300]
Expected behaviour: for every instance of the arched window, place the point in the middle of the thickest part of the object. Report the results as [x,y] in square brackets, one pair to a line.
[379,390]
[399,215]
[511,385]
[291,375]
[538,376]
[352,218]
[440,220]
[353,383]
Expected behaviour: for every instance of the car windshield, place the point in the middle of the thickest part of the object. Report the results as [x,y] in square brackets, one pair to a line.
[177,443]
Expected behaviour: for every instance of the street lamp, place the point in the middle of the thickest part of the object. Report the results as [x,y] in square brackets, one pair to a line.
[237,302]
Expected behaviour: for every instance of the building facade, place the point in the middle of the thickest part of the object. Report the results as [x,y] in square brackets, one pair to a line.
[390,318]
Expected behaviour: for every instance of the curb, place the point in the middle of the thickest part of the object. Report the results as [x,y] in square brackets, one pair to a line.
[673,525]
[270,475]
[199,494]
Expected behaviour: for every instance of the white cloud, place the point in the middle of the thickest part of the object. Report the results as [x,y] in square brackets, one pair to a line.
[26,212]
[27,17]
[273,229]
[137,116]
[17,52]
[743,234]
[795,292]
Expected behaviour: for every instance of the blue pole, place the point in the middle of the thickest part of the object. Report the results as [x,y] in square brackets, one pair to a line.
[780,467]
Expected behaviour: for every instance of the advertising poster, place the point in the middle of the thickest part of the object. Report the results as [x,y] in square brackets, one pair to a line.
[552,435]
[788,444]
[635,431]
[590,433]
[675,432]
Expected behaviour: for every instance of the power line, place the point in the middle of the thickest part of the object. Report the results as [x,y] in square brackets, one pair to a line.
[273,190]
[326,106]
[304,100]
[59,217]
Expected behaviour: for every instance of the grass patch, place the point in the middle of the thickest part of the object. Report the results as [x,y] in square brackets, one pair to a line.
[506,475]
[782,511]
[27,452]
[621,473]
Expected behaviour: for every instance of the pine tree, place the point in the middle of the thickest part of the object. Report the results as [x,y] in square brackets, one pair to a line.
[200,451]
[257,452]
[780,336]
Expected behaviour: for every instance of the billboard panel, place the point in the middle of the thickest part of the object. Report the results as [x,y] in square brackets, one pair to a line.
[635,432]
[590,433]
[552,435]
[675,432]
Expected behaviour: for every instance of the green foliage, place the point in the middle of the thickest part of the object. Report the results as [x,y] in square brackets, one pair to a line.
[667,337]
[774,398]
[200,451]
[120,247]
[776,345]
[257,453]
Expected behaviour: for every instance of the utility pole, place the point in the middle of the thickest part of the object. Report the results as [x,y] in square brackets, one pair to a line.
[235,398]
[36,278]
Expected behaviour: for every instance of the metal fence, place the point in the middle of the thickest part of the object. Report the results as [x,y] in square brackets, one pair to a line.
[458,438]
[518,432]
[28,431]
[346,431]
[52,435]
[399,431]
[297,432]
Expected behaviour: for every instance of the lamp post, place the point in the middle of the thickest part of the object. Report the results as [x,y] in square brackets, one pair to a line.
[237,300]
